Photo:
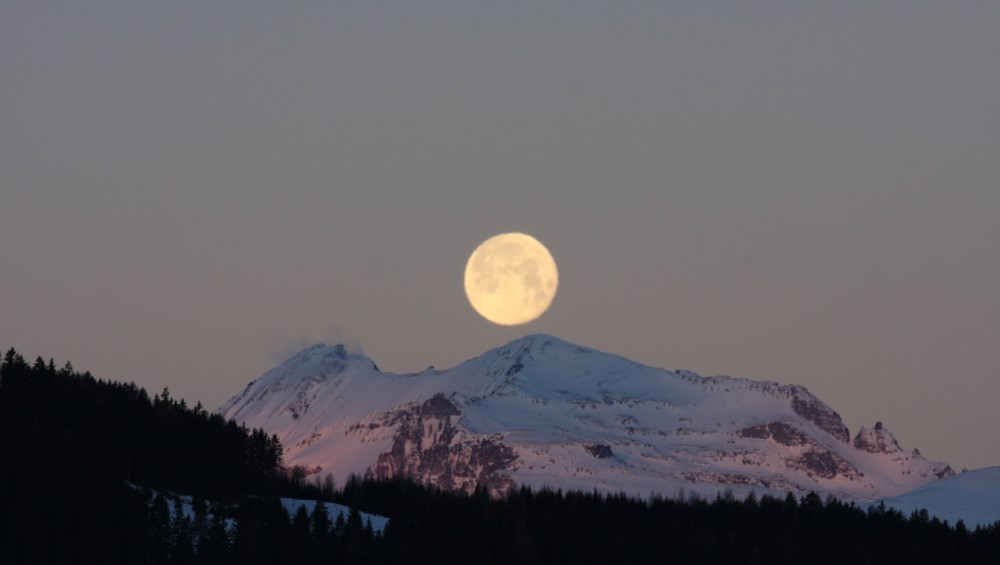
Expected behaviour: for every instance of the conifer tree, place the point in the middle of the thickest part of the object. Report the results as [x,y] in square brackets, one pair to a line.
[181,542]
[159,530]
[320,523]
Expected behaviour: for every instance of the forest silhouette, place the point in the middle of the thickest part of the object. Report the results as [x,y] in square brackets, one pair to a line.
[93,471]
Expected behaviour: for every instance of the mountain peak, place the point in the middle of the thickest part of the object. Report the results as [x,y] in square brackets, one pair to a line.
[532,343]
[876,440]
[542,411]
[325,355]
[880,441]
[317,363]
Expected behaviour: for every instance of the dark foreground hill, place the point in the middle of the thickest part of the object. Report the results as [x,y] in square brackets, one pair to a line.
[73,449]
[71,445]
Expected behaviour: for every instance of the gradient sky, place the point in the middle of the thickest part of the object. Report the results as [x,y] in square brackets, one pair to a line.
[810,194]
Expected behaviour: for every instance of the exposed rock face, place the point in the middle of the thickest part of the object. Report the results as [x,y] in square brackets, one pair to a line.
[880,440]
[736,479]
[877,440]
[439,408]
[823,463]
[599,450]
[810,408]
[815,459]
[428,448]
[944,471]
[781,432]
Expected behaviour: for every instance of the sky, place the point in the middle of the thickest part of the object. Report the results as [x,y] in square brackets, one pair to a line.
[806,193]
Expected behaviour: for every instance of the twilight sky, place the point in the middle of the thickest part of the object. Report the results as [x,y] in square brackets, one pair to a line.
[810,194]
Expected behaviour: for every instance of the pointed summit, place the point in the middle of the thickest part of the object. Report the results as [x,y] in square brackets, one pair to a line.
[326,355]
[284,386]
[876,440]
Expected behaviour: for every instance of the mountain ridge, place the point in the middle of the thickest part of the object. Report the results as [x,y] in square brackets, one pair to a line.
[541,411]
[971,496]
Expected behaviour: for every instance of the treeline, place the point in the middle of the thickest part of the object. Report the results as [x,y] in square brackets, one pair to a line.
[256,530]
[573,527]
[88,468]
[57,422]
[74,449]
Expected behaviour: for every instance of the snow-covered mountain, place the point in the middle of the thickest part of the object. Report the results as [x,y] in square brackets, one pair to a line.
[543,412]
[972,496]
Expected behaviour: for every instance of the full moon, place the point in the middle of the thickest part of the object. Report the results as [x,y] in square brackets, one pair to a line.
[511,279]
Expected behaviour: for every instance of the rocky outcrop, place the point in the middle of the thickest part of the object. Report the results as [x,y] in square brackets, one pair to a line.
[781,432]
[823,463]
[876,440]
[599,450]
[734,479]
[881,441]
[439,408]
[812,409]
[428,448]
[814,459]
